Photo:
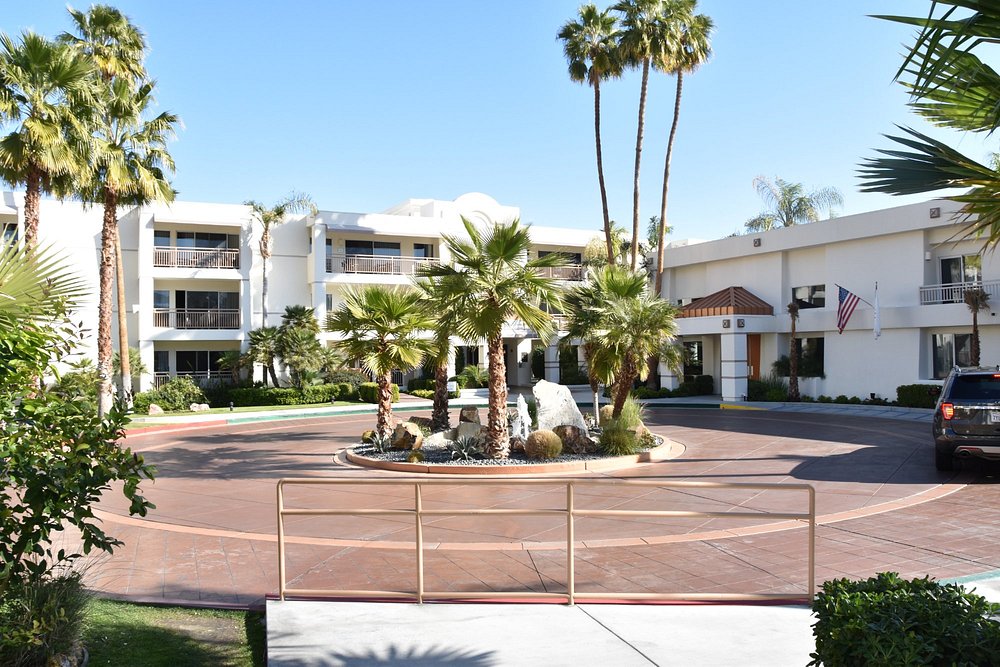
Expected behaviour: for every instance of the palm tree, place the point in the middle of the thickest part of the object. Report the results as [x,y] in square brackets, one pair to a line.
[641,37]
[46,88]
[380,325]
[439,299]
[268,219]
[233,361]
[591,51]
[687,48]
[584,306]
[977,299]
[789,204]
[492,282]
[117,47]
[298,345]
[793,355]
[952,87]
[264,349]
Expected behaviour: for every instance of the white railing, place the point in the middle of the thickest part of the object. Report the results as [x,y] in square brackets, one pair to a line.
[196,318]
[378,264]
[196,258]
[200,378]
[955,292]
[571,272]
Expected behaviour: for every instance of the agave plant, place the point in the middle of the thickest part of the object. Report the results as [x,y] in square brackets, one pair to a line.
[466,448]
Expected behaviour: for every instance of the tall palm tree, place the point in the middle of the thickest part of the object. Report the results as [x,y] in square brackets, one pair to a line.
[117,47]
[381,326]
[263,350]
[592,53]
[491,282]
[977,299]
[793,355]
[789,204]
[953,87]
[688,46]
[268,218]
[47,89]
[641,38]
[584,306]
[440,300]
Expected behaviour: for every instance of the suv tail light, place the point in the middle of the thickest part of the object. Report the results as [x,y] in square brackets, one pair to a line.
[947,410]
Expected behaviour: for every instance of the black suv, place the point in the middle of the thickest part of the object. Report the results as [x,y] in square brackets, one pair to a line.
[967,416]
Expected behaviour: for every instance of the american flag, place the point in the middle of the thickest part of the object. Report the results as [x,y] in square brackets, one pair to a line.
[848,301]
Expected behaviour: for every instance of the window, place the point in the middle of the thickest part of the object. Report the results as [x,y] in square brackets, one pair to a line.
[207,240]
[963,269]
[811,352]
[951,350]
[423,250]
[161,298]
[379,248]
[161,361]
[329,247]
[571,257]
[329,303]
[161,238]
[199,362]
[207,300]
[693,355]
[810,296]
[8,233]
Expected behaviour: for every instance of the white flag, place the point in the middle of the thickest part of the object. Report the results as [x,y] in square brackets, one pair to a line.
[877,317]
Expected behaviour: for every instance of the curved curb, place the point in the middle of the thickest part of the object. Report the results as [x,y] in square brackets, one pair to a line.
[664,452]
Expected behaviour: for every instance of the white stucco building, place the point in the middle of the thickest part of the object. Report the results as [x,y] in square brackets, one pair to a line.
[194,271]
[911,252]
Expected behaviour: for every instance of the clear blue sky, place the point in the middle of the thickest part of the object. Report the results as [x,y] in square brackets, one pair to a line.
[365,104]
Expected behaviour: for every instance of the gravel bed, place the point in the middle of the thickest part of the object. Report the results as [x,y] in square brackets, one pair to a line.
[442,456]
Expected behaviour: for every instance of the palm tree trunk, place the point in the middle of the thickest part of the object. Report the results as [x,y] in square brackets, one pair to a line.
[662,232]
[274,376]
[793,367]
[263,291]
[595,385]
[497,438]
[975,337]
[638,161]
[383,422]
[439,414]
[107,268]
[600,172]
[123,348]
[624,385]
[32,198]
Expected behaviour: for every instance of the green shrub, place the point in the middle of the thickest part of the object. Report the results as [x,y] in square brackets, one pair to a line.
[533,412]
[80,384]
[823,398]
[175,395]
[466,448]
[319,393]
[841,398]
[473,377]
[616,440]
[632,414]
[776,395]
[917,395]
[368,392]
[41,619]
[768,388]
[351,376]
[419,384]
[854,400]
[809,366]
[646,392]
[346,391]
[886,620]
[422,393]
[542,445]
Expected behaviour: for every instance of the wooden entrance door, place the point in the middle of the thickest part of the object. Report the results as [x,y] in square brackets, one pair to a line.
[753,356]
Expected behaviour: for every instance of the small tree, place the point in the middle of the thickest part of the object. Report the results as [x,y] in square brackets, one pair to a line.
[264,350]
[977,300]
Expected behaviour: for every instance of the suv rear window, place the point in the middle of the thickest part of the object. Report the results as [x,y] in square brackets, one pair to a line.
[976,387]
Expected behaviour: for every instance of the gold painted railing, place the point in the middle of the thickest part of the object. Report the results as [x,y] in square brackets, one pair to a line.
[569,511]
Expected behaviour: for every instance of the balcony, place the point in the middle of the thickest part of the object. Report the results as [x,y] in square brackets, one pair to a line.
[196,258]
[570,272]
[201,378]
[955,292]
[196,318]
[377,264]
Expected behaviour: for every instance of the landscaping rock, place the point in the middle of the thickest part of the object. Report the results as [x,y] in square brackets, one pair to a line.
[556,407]
[204,407]
[423,422]
[407,436]
[438,440]
[470,414]
[468,430]
[517,445]
[155,409]
[575,440]
[198,407]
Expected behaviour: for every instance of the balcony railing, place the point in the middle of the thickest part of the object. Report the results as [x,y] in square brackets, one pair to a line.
[955,292]
[196,258]
[571,272]
[196,318]
[200,378]
[376,264]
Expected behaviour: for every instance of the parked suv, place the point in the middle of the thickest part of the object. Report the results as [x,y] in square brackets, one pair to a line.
[967,416]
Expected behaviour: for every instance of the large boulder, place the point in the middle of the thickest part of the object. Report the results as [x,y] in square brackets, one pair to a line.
[439,440]
[424,422]
[469,413]
[407,436]
[468,430]
[575,440]
[155,409]
[556,407]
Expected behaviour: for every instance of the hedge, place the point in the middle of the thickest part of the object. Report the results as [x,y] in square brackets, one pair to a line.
[368,392]
[917,395]
[429,393]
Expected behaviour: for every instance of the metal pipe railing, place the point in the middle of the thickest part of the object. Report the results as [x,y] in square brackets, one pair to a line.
[955,292]
[570,512]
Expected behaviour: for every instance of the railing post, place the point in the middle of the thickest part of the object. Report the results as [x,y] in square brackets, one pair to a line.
[812,543]
[570,550]
[418,504]
[281,545]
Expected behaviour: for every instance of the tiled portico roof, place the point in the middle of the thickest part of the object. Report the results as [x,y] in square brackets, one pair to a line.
[730,301]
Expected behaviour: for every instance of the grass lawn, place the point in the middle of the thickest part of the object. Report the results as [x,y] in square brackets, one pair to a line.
[125,635]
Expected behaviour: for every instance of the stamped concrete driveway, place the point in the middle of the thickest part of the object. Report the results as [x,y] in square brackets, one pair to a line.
[881,506]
